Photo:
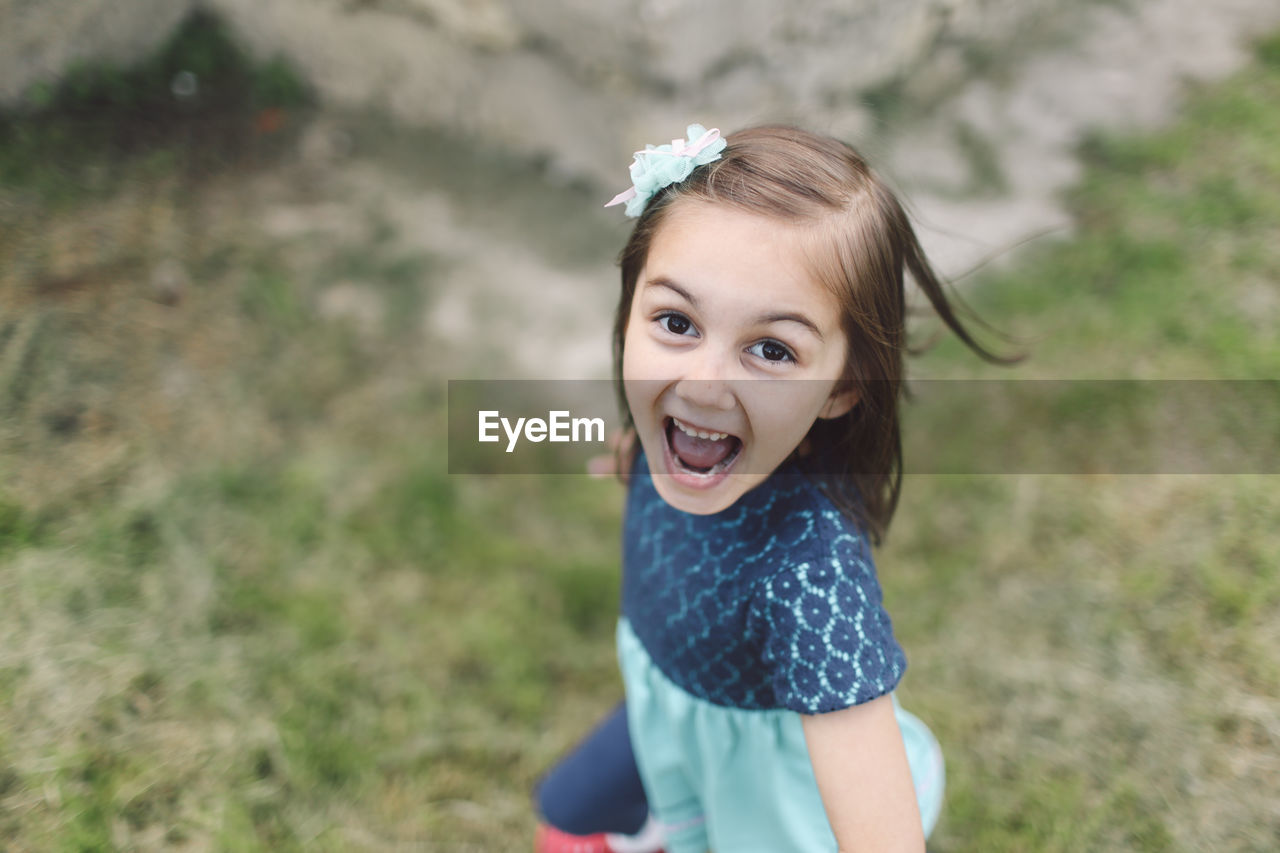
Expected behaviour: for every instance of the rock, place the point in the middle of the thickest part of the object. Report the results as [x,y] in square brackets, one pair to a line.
[576,83]
[169,281]
[38,41]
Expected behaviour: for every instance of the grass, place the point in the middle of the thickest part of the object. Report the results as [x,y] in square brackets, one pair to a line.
[1101,648]
[244,607]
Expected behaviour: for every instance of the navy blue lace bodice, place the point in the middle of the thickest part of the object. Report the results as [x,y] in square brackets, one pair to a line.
[771,603]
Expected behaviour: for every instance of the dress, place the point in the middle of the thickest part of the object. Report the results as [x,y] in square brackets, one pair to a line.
[733,625]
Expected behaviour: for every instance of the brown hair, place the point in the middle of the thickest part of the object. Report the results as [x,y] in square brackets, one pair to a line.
[861,245]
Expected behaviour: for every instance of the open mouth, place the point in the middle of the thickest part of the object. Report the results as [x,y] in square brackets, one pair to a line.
[699,451]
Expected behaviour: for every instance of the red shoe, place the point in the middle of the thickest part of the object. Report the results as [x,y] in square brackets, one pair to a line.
[551,840]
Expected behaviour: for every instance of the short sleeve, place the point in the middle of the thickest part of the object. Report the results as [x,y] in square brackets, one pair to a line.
[826,641]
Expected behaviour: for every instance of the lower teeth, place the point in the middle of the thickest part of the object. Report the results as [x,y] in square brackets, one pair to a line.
[702,472]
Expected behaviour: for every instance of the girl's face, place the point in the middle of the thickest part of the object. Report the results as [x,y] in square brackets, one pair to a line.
[731,352]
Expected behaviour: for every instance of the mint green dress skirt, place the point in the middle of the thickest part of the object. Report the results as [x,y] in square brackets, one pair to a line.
[732,780]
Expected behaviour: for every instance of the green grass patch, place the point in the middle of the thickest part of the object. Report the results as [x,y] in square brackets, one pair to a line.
[18,529]
[1074,638]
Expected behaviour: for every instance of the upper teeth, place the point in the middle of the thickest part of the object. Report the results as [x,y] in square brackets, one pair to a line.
[714,436]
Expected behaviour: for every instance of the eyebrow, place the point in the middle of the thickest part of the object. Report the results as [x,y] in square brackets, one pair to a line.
[793,318]
[764,319]
[663,281]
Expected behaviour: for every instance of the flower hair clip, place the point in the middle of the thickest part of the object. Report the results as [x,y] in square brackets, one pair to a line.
[661,166]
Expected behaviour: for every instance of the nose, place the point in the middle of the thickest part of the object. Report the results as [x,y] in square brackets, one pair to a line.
[706,383]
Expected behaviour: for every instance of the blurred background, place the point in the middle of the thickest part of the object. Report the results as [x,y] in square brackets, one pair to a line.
[243,246]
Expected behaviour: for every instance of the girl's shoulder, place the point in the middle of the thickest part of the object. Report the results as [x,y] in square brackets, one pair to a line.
[815,523]
[818,615]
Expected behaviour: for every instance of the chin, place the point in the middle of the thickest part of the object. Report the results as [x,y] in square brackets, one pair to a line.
[702,503]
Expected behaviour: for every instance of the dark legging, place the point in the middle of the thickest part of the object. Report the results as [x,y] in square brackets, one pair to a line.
[596,787]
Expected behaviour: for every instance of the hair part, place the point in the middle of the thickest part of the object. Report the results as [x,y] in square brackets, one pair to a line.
[860,245]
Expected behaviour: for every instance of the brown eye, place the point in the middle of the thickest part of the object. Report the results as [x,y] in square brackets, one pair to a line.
[772,351]
[676,324]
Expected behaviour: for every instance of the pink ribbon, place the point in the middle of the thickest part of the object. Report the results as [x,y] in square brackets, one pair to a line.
[680,148]
[625,195]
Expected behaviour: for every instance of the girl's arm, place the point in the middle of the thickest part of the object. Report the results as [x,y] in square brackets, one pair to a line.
[860,763]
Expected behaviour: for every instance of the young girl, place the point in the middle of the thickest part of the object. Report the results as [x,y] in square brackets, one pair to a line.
[759,344]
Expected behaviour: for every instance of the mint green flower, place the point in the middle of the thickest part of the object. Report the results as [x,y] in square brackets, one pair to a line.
[663,165]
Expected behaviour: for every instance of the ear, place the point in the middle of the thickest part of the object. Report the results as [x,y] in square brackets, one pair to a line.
[839,403]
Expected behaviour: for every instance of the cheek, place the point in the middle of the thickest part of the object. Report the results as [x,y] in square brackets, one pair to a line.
[783,411]
[642,358]
[632,357]
[638,389]
[630,342]
[786,400]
